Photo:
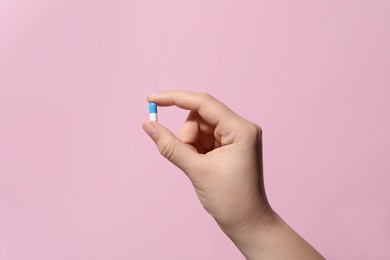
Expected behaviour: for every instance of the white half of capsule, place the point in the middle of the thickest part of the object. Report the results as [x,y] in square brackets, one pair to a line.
[153,117]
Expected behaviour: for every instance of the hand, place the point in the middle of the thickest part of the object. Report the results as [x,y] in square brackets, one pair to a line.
[221,153]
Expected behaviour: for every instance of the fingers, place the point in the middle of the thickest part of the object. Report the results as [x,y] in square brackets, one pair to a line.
[190,131]
[179,153]
[198,133]
[193,127]
[209,108]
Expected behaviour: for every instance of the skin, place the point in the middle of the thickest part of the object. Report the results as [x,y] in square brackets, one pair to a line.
[221,153]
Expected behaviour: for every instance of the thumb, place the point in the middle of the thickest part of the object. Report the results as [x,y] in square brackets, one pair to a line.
[172,148]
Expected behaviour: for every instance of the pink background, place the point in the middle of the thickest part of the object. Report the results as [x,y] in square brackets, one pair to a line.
[80,180]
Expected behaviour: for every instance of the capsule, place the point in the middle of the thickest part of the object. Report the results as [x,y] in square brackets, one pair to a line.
[153,111]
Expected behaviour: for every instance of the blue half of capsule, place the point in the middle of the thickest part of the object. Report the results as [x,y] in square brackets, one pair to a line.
[152,107]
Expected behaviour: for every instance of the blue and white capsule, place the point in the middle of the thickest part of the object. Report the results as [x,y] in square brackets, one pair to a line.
[153,111]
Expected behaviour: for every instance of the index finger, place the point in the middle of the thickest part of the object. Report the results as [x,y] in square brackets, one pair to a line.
[209,108]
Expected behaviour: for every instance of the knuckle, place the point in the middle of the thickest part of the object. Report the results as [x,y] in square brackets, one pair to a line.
[167,150]
[206,97]
[254,130]
[259,129]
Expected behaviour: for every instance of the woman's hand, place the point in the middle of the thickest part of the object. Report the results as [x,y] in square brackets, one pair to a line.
[221,153]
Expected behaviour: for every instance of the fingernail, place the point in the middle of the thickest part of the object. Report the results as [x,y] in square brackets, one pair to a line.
[150,130]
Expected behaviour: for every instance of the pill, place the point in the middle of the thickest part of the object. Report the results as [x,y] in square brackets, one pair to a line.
[153,111]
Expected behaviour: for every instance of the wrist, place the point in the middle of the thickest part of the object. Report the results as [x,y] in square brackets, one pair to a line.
[271,238]
[251,234]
